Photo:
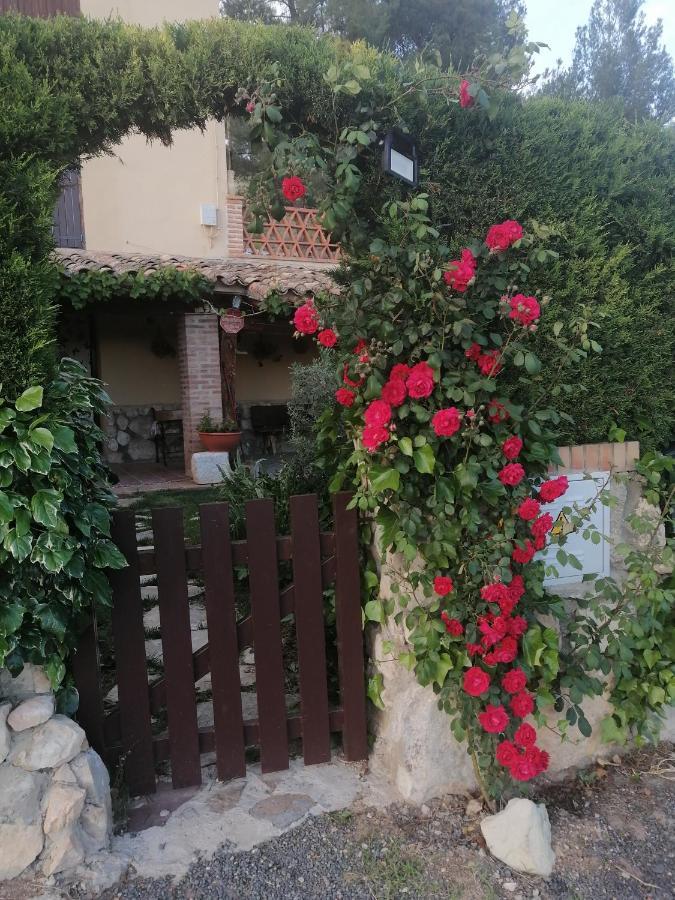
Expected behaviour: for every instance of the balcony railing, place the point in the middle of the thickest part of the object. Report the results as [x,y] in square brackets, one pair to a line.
[297,236]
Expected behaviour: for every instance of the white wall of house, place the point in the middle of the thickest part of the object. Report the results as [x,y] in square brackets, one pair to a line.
[146,198]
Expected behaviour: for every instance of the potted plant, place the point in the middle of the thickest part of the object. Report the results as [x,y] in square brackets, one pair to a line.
[218,436]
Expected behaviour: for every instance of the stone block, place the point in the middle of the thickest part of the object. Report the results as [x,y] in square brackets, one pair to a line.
[5,737]
[62,804]
[20,794]
[49,745]
[92,775]
[32,712]
[63,853]
[96,822]
[141,450]
[31,680]
[20,845]
[210,468]
[520,836]
[122,438]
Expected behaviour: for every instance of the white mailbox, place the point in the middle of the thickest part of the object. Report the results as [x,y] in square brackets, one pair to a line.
[594,558]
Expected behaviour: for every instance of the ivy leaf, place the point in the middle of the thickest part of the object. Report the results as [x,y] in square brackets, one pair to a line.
[443,666]
[407,659]
[375,686]
[107,556]
[11,617]
[64,439]
[18,545]
[385,479]
[406,447]
[533,646]
[6,509]
[42,437]
[30,399]
[56,671]
[45,508]
[611,733]
[424,460]
[374,611]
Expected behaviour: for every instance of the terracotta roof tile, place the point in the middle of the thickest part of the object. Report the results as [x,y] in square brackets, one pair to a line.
[255,277]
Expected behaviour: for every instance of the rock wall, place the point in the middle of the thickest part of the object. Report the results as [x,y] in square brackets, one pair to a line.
[55,808]
[130,435]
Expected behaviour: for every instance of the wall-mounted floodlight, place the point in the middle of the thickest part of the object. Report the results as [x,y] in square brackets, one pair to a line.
[399,157]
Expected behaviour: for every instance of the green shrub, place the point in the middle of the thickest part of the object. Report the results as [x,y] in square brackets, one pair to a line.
[608,186]
[54,519]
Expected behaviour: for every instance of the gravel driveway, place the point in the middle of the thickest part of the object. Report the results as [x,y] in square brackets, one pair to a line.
[612,832]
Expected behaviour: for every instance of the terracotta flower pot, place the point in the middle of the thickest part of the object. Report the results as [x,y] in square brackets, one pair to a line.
[219,441]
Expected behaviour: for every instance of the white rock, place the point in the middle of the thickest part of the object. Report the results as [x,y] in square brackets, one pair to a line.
[96,822]
[49,745]
[62,804]
[520,836]
[20,794]
[92,775]
[20,845]
[210,468]
[31,680]
[32,712]
[5,737]
[64,852]
[473,808]
[65,775]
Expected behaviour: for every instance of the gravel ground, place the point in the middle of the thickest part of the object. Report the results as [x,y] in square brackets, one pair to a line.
[612,832]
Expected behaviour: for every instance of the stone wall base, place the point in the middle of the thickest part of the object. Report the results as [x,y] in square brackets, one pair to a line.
[55,807]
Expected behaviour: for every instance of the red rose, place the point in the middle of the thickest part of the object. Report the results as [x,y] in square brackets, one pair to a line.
[523,769]
[400,372]
[344,397]
[361,345]
[529,509]
[506,753]
[476,681]
[489,363]
[517,626]
[497,412]
[516,588]
[250,106]
[373,436]
[474,352]
[306,318]
[541,526]
[524,310]
[494,719]
[493,628]
[525,735]
[495,592]
[540,542]
[539,758]
[443,585]
[512,447]
[465,98]
[377,413]
[293,188]
[347,380]
[453,626]
[522,704]
[523,555]
[327,337]
[512,474]
[551,490]
[394,392]
[474,649]
[506,650]
[461,272]
[514,681]
[420,381]
[446,421]
[500,237]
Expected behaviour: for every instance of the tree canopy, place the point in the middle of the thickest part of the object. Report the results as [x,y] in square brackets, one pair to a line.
[460,30]
[618,56]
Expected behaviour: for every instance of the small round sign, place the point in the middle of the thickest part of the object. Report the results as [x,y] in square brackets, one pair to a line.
[232,322]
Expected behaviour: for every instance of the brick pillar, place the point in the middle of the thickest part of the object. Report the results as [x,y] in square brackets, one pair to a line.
[199,366]
[235,226]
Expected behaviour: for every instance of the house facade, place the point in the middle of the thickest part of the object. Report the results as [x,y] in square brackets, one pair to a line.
[146,207]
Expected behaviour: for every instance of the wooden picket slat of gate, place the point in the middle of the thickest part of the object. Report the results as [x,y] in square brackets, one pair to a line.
[223,646]
[174,618]
[87,674]
[309,626]
[349,628]
[132,674]
[265,609]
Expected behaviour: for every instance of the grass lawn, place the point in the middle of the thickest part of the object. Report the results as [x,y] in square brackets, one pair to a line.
[188,501]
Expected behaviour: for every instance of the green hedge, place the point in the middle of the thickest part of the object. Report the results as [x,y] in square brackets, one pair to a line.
[609,187]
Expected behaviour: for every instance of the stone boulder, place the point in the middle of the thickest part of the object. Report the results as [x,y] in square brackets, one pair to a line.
[5,737]
[520,836]
[49,746]
[62,804]
[31,680]
[20,845]
[21,838]
[31,712]
[63,853]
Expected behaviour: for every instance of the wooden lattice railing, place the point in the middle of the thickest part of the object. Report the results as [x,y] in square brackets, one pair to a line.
[297,236]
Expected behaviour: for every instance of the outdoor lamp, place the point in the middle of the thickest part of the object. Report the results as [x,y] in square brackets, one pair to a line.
[399,157]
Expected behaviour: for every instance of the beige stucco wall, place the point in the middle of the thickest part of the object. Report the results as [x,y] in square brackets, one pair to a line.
[133,373]
[146,197]
[267,380]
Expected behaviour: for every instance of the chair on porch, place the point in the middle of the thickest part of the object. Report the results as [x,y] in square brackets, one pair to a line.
[167,425]
[271,422]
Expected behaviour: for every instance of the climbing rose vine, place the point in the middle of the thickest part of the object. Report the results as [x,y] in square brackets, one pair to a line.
[454,470]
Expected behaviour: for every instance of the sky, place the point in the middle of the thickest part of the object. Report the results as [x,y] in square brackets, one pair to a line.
[555,21]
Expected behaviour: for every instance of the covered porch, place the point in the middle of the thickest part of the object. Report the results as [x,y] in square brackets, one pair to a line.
[166,363]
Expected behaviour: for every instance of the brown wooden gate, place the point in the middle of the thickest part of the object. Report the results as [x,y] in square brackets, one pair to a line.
[319,559]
